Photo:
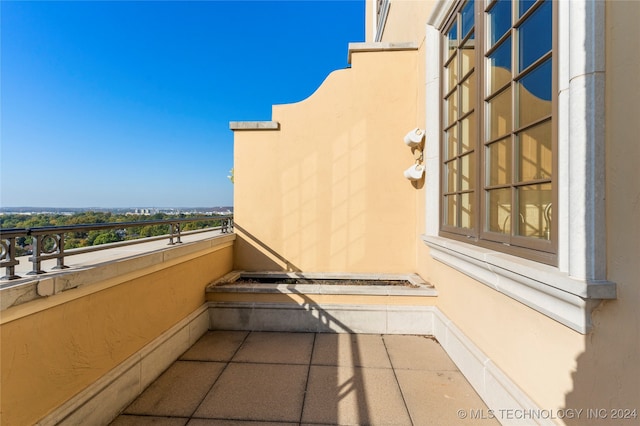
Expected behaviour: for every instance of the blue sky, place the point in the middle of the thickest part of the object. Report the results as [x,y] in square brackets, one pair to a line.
[118,104]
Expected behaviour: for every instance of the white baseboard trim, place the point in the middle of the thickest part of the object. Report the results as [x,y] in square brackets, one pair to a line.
[503,397]
[103,400]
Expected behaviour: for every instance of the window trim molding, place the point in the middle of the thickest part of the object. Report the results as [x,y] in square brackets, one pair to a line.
[570,291]
[379,24]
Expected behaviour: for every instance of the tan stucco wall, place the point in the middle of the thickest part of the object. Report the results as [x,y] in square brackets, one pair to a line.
[326,192]
[368,21]
[406,20]
[52,354]
[536,352]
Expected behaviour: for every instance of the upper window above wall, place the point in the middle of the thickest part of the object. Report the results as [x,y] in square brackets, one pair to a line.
[498,144]
[382,11]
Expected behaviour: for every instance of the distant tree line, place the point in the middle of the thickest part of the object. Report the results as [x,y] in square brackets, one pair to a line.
[93,238]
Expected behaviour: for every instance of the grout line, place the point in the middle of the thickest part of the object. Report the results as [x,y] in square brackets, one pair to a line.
[306,385]
[266,363]
[404,401]
[219,375]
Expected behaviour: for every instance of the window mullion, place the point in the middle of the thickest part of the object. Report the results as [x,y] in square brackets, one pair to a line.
[515,208]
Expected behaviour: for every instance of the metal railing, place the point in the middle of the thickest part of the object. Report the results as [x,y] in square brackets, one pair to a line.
[48,242]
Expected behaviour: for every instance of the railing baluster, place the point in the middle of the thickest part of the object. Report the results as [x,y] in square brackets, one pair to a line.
[227,226]
[174,231]
[171,234]
[8,258]
[60,252]
[36,257]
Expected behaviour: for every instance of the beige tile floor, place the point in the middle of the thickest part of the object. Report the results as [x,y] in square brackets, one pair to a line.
[269,378]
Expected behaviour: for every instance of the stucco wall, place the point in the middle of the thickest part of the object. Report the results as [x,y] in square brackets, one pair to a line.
[536,352]
[326,192]
[369,21]
[51,355]
[405,21]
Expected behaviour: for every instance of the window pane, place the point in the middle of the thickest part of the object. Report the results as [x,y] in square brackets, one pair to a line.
[452,107]
[499,20]
[467,172]
[452,74]
[450,210]
[468,133]
[499,66]
[468,94]
[535,155]
[534,205]
[524,6]
[535,36]
[452,39]
[467,18]
[468,56]
[451,142]
[466,213]
[499,210]
[499,163]
[452,176]
[499,109]
[534,94]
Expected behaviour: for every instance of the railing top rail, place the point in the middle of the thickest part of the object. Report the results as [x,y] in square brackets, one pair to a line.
[107,225]
[13,232]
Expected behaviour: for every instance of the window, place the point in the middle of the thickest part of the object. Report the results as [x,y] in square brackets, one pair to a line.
[574,280]
[498,149]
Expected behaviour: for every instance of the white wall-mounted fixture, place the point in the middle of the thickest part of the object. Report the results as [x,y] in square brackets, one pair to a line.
[414,138]
[414,172]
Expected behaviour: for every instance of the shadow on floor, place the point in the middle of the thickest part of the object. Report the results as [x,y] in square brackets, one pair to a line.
[244,378]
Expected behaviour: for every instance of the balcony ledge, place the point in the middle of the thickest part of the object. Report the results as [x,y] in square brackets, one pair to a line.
[96,271]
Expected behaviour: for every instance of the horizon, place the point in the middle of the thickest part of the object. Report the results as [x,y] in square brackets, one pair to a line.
[129,103]
[5,208]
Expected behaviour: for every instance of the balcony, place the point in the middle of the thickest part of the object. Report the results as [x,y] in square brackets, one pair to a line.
[233,377]
[132,335]
[135,333]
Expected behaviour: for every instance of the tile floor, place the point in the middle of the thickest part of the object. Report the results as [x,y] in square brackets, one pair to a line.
[270,378]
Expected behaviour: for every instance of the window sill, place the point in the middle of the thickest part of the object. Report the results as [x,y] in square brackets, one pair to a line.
[541,287]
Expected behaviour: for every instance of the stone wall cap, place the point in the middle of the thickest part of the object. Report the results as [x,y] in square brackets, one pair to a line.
[379,47]
[254,125]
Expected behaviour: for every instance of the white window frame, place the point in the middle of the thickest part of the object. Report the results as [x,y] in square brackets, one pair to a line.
[379,24]
[569,291]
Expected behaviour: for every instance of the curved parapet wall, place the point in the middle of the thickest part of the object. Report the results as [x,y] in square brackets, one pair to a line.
[325,191]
